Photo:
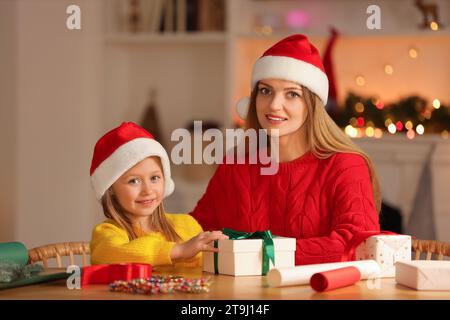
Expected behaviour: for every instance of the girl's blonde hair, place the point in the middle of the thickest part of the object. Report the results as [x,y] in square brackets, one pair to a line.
[158,221]
[323,136]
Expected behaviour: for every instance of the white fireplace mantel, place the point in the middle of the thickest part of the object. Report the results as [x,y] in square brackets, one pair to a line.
[399,162]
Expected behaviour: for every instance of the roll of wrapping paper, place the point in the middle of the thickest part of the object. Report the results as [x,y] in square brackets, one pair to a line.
[16,253]
[301,275]
[334,279]
[13,252]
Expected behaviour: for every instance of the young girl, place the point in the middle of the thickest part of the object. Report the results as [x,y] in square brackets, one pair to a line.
[325,190]
[130,173]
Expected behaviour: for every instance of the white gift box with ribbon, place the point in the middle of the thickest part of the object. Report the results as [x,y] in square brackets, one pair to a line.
[386,250]
[244,257]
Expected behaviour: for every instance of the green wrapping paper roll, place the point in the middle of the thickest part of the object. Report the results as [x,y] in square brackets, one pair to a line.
[13,252]
[16,272]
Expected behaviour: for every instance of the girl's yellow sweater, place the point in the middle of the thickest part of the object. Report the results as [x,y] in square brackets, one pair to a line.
[110,244]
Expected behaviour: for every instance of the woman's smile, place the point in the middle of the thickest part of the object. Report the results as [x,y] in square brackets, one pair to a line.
[274,119]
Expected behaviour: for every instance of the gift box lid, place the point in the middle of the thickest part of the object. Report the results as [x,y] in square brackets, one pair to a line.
[252,245]
[425,265]
[394,241]
[384,238]
[395,236]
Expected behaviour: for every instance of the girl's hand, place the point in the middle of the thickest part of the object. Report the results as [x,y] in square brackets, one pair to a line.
[201,242]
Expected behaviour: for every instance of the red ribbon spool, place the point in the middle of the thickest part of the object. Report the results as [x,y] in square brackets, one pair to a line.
[108,273]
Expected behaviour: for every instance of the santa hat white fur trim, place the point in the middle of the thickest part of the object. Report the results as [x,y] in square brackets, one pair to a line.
[286,68]
[124,158]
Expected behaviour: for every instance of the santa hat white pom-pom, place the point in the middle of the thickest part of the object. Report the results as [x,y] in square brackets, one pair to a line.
[242,107]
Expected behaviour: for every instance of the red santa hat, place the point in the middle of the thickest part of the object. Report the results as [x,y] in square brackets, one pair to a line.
[119,150]
[294,59]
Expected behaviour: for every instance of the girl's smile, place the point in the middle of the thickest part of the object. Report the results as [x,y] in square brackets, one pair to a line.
[146,202]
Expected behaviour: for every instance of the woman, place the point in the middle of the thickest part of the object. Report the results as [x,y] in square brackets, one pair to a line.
[326,188]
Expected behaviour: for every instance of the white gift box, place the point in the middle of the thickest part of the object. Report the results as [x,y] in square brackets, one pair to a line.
[424,274]
[386,250]
[244,257]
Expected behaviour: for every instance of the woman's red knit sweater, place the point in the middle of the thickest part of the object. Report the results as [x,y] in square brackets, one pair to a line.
[320,202]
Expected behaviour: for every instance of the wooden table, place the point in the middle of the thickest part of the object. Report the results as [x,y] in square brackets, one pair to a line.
[228,288]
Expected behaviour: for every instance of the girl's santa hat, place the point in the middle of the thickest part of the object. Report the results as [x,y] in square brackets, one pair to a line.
[294,59]
[119,150]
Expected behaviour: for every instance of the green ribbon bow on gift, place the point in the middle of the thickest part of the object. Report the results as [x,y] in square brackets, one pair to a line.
[268,249]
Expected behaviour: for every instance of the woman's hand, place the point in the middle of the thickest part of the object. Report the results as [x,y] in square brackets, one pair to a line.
[201,242]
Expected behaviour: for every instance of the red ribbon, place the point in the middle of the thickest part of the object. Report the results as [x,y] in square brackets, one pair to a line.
[108,273]
[349,254]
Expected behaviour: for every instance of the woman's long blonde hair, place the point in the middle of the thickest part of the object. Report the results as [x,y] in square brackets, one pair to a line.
[323,136]
[158,221]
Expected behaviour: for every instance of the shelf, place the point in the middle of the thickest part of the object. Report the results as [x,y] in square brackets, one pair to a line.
[166,38]
[220,37]
[280,35]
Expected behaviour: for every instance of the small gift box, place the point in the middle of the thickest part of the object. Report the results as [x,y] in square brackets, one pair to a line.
[386,250]
[423,274]
[250,254]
